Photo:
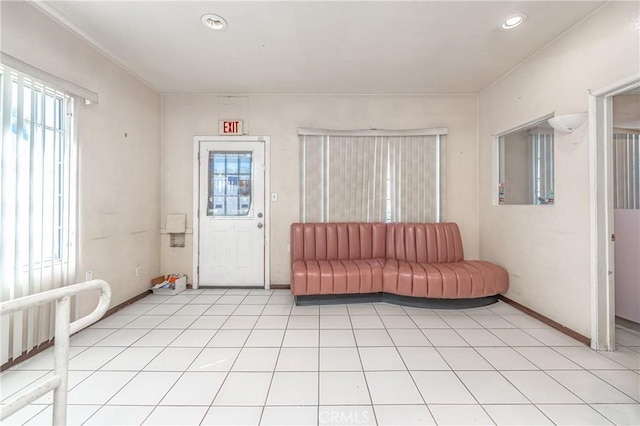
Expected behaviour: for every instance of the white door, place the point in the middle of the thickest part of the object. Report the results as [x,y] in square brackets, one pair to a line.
[231,214]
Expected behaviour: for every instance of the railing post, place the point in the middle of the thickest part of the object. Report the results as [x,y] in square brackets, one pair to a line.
[61,360]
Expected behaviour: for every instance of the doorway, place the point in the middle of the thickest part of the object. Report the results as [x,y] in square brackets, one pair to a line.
[230,212]
[601,156]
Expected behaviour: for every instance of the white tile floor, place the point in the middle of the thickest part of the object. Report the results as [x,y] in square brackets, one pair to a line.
[236,357]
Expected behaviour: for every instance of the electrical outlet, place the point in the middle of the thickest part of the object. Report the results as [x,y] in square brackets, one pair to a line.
[88,276]
[138,271]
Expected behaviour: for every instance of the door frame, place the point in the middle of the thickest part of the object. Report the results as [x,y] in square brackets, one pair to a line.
[603,320]
[197,140]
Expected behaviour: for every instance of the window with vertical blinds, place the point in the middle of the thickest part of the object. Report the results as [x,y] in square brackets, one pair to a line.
[626,169]
[372,176]
[37,203]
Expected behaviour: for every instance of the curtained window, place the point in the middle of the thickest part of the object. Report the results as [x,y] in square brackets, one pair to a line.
[372,175]
[37,203]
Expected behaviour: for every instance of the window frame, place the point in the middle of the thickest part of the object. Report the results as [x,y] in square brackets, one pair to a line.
[27,266]
[59,130]
[498,187]
[389,175]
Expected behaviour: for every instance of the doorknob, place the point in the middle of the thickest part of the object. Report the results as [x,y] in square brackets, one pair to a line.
[260,225]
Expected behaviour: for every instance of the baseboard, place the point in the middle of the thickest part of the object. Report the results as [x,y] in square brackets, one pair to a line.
[628,324]
[46,345]
[125,304]
[548,321]
[26,355]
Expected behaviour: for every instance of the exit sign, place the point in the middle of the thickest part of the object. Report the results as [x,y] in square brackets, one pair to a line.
[230,127]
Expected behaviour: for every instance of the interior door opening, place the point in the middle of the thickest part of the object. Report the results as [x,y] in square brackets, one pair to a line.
[626,208]
[603,236]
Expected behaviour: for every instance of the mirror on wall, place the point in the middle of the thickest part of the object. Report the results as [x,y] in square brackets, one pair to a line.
[526,169]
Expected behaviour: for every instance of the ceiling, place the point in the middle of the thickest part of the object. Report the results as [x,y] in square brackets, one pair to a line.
[377,47]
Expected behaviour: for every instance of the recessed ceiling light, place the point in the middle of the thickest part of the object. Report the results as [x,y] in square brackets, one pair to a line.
[512,21]
[215,22]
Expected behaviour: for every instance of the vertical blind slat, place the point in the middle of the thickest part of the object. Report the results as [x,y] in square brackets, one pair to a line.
[18,326]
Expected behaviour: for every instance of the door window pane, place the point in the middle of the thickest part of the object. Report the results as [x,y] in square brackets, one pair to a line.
[229,184]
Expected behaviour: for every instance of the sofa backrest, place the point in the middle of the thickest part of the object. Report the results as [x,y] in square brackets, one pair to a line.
[337,241]
[424,242]
[411,242]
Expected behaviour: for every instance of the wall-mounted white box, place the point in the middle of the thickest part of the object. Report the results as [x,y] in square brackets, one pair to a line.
[176,224]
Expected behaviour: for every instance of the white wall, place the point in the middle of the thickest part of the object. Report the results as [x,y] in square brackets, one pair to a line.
[279,117]
[626,111]
[546,248]
[119,177]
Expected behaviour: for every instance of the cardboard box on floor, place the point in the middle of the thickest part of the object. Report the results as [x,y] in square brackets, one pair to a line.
[179,285]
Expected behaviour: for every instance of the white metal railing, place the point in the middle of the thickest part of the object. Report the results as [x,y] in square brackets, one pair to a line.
[63,329]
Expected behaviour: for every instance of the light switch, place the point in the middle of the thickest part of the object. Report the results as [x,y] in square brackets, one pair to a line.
[274,196]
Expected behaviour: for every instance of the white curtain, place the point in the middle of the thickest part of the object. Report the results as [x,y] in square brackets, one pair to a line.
[372,176]
[37,203]
[626,158]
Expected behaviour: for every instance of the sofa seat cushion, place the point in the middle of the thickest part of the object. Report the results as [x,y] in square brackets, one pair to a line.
[463,279]
[336,276]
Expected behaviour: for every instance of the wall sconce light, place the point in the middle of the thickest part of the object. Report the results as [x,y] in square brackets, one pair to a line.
[568,123]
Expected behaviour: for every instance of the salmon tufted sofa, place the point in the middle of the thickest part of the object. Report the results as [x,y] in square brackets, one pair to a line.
[398,262]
